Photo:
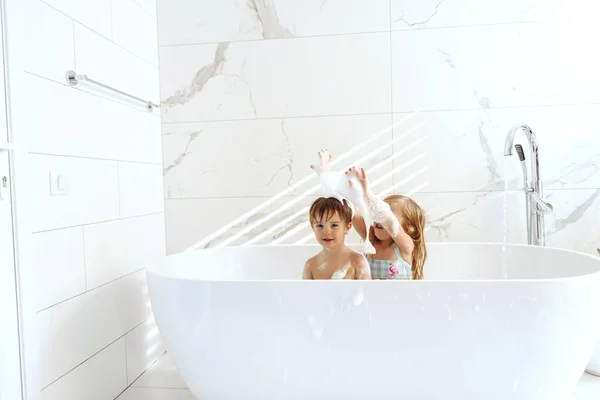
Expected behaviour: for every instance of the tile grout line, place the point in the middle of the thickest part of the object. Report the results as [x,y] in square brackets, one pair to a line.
[136,379]
[91,290]
[354,33]
[510,191]
[404,112]
[98,222]
[92,158]
[90,357]
[143,9]
[98,33]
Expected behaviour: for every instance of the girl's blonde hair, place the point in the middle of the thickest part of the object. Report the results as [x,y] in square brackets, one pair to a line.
[413,221]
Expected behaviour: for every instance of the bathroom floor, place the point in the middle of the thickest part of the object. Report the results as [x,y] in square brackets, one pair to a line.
[162,382]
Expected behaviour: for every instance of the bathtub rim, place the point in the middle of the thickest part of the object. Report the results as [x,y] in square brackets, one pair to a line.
[157,268]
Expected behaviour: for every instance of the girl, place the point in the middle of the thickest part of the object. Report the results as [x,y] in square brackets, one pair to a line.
[398,236]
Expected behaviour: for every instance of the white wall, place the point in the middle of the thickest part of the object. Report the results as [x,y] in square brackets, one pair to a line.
[88,327]
[251,90]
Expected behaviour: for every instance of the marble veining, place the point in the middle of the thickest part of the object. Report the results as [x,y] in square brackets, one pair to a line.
[269,21]
[412,24]
[254,84]
[575,214]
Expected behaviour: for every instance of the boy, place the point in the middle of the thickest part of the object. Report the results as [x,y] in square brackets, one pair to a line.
[331,220]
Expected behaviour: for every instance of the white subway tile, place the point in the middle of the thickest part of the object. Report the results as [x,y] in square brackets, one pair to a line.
[147,5]
[59,265]
[112,65]
[162,374]
[144,346]
[78,328]
[116,248]
[94,14]
[91,194]
[50,42]
[140,393]
[102,377]
[135,30]
[71,122]
[140,189]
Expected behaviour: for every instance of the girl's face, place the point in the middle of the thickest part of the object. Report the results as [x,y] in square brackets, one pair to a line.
[383,235]
[380,233]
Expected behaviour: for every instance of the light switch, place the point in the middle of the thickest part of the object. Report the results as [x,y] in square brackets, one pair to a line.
[58,184]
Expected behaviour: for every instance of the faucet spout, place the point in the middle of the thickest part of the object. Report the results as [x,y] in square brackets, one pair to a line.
[535,219]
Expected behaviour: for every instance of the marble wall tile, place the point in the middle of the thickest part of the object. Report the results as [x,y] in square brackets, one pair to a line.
[407,14]
[332,75]
[493,66]
[475,70]
[206,21]
[266,157]
[464,150]
[189,221]
[575,223]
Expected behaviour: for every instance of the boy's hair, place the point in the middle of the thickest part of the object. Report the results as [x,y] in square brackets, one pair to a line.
[328,207]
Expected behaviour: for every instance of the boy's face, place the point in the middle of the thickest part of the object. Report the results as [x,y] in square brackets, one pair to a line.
[330,232]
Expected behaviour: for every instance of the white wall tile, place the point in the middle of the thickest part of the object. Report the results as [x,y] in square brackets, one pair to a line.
[162,374]
[116,248]
[135,30]
[408,14]
[78,328]
[147,5]
[446,136]
[94,14]
[102,377]
[574,224]
[193,152]
[144,347]
[59,265]
[477,67]
[140,189]
[189,221]
[472,216]
[204,21]
[72,122]
[276,78]
[51,35]
[112,65]
[142,393]
[93,193]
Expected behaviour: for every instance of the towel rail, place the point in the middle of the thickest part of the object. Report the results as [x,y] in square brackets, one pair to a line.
[73,79]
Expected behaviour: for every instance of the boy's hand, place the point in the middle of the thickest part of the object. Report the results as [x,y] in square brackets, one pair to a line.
[324,160]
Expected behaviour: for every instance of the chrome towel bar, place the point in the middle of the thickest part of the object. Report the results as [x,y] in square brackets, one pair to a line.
[73,79]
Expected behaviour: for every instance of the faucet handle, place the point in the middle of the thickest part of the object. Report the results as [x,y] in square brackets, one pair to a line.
[541,205]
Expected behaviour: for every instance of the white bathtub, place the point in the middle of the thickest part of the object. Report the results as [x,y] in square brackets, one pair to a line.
[488,322]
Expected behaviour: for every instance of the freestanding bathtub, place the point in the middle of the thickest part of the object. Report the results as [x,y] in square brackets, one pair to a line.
[490,321]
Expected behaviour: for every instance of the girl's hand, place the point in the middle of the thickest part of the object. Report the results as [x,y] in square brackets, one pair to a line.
[360,175]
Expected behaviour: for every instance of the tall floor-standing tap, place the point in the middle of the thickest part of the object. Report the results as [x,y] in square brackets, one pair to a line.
[536,207]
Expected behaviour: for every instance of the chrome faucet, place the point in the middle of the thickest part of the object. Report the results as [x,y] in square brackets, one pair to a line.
[535,205]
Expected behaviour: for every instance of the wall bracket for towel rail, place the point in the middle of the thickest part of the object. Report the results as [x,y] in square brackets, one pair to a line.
[73,79]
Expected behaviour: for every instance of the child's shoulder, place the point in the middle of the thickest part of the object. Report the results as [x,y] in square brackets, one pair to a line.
[355,256]
[312,261]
